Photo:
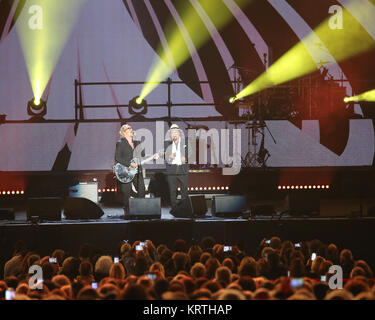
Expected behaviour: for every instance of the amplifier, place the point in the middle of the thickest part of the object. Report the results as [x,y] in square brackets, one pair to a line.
[88,190]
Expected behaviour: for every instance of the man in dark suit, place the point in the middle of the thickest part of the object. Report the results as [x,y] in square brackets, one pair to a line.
[126,150]
[176,157]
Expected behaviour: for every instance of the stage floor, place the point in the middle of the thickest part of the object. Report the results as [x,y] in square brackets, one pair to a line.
[116,215]
[111,229]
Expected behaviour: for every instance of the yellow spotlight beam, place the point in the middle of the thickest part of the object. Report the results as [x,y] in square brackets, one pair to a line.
[179,51]
[368,96]
[342,44]
[43,28]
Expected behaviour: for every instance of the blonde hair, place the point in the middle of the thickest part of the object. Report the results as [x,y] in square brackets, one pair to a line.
[117,271]
[122,130]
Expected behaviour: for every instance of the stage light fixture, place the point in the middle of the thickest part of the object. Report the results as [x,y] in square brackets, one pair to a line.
[304,57]
[232,99]
[368,96]
[37,110]
[137,105]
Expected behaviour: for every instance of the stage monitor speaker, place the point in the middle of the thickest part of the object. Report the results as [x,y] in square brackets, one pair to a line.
[228,206]
[145,208]
[303,203]
[81,208]
[46,208]
[183,209]
[199,205]
[6,214]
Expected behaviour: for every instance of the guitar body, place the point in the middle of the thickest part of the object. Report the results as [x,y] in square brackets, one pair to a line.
[125,174]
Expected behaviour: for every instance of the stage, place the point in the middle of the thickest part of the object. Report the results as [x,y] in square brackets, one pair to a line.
[107,232]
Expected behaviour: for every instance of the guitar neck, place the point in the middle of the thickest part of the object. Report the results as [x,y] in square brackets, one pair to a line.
[147,159]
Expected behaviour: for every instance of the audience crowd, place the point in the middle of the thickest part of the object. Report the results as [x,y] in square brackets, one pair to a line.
[278,269]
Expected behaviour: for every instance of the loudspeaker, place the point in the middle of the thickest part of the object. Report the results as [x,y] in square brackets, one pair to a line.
[183,209]
[6,214]
[199,205]
[81,208]
[48,209]
[228,205]
[145,208]
[303,203]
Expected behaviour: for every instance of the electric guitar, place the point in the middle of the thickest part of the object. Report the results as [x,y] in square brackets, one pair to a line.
[126,174]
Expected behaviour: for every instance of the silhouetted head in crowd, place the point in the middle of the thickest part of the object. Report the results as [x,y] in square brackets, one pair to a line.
[357,271]
[297,268]
[134,292]
[320,290]
[207,243]
[180,261]
[61,280]
[12,282]
[223,275]
[85,269]
[157,267]
[339,294]
[102,267]
[316,265]
[247,283]
[70,267]
[160,287]
[49,271]
[366,268]
[247,269]
[117,271]
[198,270]
[87,293]
[346,257]
[201,294]
[212,285]
[59,255]
[228,262]
[86,251]
[194,254]
[180,245]
[356,286]
[275,243]
[230,294]
[204,257]
[125,248]
[324,267]
[165,255]
[189,285]
[31,260]
[211,265]
[263,267]
[332,253]
[141,265]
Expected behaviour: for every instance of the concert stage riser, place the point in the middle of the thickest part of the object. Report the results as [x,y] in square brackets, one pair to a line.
[356,234]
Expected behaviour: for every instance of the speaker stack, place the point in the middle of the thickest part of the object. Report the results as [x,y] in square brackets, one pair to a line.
[44,209]
[76,208]
[144,208]
[192,206]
